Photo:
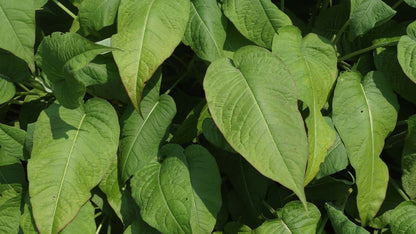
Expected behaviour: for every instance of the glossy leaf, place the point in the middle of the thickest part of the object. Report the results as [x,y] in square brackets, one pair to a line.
[84,221]
[312,62]
[205,32]
[409,159]
[367,14]
[12,140]
[148,32]
[65,145]
[253,101]
[403,218]
[406,52]
[17,27]
[96,14]
[292,219]
[364,113]
[341,223]
[258,20]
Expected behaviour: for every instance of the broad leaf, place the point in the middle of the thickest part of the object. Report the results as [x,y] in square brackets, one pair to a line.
[258,20]
[12,140]
[10,198]
[341,223]
[62,58]
[313,63]
[409,159]
[403,218]
[292,219]
[7,90]
[364,113]
[111,187]
[163,192]
[253,101]
[205,32]
[406,52]
[17,27]
[148,32]
[84,221]
[65,145]
[96,14]
[367,14]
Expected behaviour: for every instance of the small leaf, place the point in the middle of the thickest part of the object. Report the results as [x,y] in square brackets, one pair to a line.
[258,20]
[96,14]
[403,218]
[406,52]
[12,140]
[409,159]
[341,223]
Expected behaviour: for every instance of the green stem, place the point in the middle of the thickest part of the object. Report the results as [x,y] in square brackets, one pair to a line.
[398,189]
[365,50]
[65,9]
[23,87]
[397,4]
[340,32]
[270,208]
[101,225]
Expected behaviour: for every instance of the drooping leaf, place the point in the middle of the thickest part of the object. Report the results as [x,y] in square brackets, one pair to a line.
[292,219]
[341,223]
[10,198]
[403,218]
[17,27]
[205,32]
[367,14]
[364,113]
[258,20]
[163,192]
[12,140]
[406,52]
[253,101]
[96,14]
[62,58]
[148,32]
[7,90]
[65,144]
[206,189]
[313,64]
[409,159]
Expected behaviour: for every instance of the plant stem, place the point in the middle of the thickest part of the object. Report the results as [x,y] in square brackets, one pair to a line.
[101,225]
[398,189]
[23,87]
[365,50]
[340,32]
[397,4]
[65,9]
[270,208]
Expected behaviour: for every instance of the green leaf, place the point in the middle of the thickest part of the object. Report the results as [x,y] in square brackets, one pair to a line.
[10,198]
[139,226]
[406,52]
[364,113]
[40,3]
[188,130]
[403,218]
[84,221]
[292,219]
[318,189]
[234,40]
[253,101]
[206,189]
[409,159]
[367,14]
[17,27]
[7,90]
[214,136]
[62,58]
[66,143]
[258,20]
[313,63]
[94,15]
[27,223]
[205,32]
[12,140]
[148,32]
[411,3]
[163,192]
[12,68]
[11,170]
[341,223]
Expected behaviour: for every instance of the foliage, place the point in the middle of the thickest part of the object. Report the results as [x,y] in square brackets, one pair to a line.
[207,116]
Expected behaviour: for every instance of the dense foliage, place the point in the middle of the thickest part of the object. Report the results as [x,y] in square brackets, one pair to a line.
[206,116]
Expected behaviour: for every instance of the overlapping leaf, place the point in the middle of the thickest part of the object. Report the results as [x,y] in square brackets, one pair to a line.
[12,140]
[409,159]
[406,52]
[96,14]
[341,223]
[403,218]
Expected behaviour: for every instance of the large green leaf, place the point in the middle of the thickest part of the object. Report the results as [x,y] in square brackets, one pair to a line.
[96,14]
[12,140]
[206,189]
[206,29]
[163,192]
[367,14]
[7,90]
[313,63]
[17,27]
[253,101]
[403,218]
[406,52]
[84,221]
[10,198]
[148,32]
[72,150]
[364,113]
[258,20]
[62,58]
[409,159]
[341,223]
[292,219]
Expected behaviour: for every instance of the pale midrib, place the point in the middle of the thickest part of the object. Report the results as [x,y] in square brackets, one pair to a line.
[138,132]
[66,166]
[11,26]
[206,26]
[266,123]
[372,137]
[284,225]
[165,201]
